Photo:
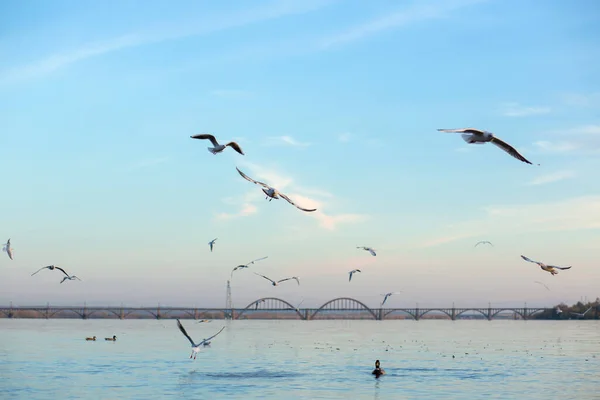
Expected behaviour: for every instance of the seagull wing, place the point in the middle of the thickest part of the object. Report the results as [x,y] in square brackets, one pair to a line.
[246,177]
[258,259]
[235,146]
[297,280]
[463,130]
[541,283]
[206,136]
[39,270]
[269,279]
[350,277]
[182,329]
[372,252]
[213,336]
[509,149]
[530,260]
[553,266]
[63,271]
[76,277]
[295,205]
[285,279]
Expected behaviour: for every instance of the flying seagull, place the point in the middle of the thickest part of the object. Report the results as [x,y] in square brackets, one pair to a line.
[543,284]
[388,295]
[246,265]
[196,346]
[258,302]
[549,268]
[484,242]
[8,249]
[273,193]
[370,250]
[69,278]
[580,315]
[279,281]
[51,267]
[352,272]
[218,147]
[472,135]
[212,243]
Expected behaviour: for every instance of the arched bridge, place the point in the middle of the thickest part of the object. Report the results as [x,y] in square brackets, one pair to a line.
[266,308]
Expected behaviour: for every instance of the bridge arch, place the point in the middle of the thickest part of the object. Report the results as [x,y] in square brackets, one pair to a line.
[440,310]
[404,310]
[471,309]
[128,312]
[256,304]
[516,311]
[59,310]
[342,299]
[108,310]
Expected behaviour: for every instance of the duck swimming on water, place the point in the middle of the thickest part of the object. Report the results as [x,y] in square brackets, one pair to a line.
[93,338]
[112,339]
[378,371]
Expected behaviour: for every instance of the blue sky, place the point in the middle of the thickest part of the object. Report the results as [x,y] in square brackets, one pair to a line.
[335,103]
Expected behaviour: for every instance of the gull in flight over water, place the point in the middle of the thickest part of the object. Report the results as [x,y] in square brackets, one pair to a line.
[472,135]
[484,242]
[218,147]
[51,267]
[548,268]
[70,278]
[8,249]
[246,265]
[212,243]
[543,284]
[370,250]
[298,306]
[279,281]
[388,295]
[196,346]
[580,315]
[351,273]
[258,302]
[273,193]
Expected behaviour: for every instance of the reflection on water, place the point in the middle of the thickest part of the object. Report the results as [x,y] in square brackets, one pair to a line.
[42,359]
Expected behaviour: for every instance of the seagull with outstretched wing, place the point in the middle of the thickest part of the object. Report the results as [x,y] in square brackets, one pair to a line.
[276,283]
[196,346]
[369,249]
[548,268]
[8,249]
[484,242]
[241,266]
[388,295]
[51,268]
[218,147]
[212,243]
[352,273]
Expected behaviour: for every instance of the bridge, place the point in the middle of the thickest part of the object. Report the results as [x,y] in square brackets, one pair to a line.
[268,308]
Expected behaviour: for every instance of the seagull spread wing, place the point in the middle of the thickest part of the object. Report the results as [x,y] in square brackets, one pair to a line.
[286,279]
[372,252]
[246,177]
[463,130]
[530,260]
[554,266]
[541,283]
[182,329]
[39,270]
[509,149]
[258,259]
[213,336]
[269,279]
[235,146]
[206,136]
[294,204]
[63,271]
[297,280]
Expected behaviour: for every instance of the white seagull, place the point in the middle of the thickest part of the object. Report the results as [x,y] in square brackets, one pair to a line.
[218,147]
[370,250]
[388,295]
[580,315]
[258,302]
[212,243]
[472,135]
[51,268]
[196,346]
[246,265]
[543,284]
[273,193]
[279,281]
[352,272]
[70,278]
[484,242]
[8,249]
[548,268]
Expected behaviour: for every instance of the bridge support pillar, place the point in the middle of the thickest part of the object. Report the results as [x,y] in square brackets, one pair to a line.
[306,314]
[525,316]
[10,312]
[380,314]
[122,314]
[47,310]
[417,314]
[195,313]
[489,314]
[158,312]
[453,314]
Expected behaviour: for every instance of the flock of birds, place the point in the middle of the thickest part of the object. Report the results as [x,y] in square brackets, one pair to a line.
[469,135]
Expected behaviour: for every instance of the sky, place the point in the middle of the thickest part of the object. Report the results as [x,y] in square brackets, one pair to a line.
[336,104]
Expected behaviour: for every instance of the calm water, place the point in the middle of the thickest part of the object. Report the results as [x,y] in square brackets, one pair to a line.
[49,359]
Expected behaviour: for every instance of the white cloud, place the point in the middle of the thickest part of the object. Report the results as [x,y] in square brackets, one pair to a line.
[582,100]
[418,13]
[300,195]
[179,30]
[583,139]
[286,140]
[517,110]
[549,178]
[566,215]
[246,210]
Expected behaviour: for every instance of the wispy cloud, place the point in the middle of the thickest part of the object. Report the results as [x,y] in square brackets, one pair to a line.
[276,9]
[148,162]
[582,100]
[285,140]
[518,110]
[300,195]
[550,178]
[583,139]
[417,13]
[576,213]
[247,209]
